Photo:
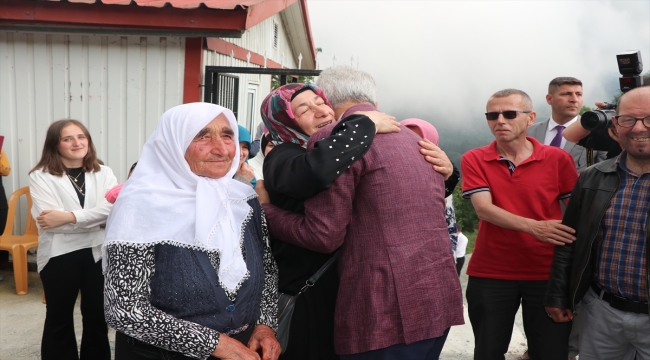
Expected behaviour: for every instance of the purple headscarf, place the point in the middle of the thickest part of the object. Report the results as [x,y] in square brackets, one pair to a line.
[278,117]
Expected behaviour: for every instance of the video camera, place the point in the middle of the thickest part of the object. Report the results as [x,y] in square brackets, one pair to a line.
[630,67]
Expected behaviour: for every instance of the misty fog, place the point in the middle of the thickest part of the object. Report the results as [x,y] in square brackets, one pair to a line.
[441,60]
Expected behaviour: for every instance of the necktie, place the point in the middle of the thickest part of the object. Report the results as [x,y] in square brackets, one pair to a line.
[557,140]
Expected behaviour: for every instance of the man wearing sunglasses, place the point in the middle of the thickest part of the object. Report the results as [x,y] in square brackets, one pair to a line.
[516,185]
[607,267]
[565,97]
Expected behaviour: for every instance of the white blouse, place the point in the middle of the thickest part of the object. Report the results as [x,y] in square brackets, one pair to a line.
[51,192]
[257,163]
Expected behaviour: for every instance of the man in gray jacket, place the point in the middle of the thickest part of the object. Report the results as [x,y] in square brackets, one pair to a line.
[565,97]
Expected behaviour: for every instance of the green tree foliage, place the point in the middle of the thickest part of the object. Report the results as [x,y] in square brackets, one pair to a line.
[584,109]
[619,93]
[275,79]
[465,214]
[616,96]
[275,82]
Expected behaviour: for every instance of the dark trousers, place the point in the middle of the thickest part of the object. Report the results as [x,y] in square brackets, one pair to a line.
[459,264]
[4,212]
[63,278]
[129,348]
[429,349]
[492,305]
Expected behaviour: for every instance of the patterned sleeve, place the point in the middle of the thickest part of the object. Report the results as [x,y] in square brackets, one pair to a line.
[302,173]
[127,308]
[450,216]
[269,305]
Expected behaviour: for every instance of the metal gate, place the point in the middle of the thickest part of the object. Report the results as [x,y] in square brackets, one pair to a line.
[222,90]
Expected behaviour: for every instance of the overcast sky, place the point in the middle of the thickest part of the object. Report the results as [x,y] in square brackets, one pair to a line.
[442,60]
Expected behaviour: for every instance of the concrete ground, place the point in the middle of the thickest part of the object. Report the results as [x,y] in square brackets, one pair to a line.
[460,342]
[22,316]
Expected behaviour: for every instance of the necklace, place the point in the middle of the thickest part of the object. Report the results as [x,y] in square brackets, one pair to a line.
[79,188]
[73,181]
[74,178]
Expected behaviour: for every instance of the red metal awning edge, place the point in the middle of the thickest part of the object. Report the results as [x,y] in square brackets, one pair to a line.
[203,21]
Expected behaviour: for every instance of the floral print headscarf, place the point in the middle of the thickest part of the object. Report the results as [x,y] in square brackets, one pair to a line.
[278,117]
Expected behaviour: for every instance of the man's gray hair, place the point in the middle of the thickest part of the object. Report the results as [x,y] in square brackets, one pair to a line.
[528,103]
[343,83]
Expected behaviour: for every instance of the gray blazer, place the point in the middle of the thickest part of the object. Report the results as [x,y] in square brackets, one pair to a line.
[538,131]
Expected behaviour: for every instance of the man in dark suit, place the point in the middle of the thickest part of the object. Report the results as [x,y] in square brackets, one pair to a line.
[399,293]
[565,97]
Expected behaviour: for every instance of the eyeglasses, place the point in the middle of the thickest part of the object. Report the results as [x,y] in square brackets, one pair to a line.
[508,114]
[628,121]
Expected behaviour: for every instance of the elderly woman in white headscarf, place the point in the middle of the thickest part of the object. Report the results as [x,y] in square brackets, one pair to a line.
[189,272]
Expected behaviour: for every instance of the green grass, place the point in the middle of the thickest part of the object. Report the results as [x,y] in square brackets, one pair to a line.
[471,239]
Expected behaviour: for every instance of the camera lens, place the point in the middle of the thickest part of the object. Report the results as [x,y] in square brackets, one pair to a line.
[596,119]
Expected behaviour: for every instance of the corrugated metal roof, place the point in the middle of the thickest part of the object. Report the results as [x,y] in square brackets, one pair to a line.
[187,18]
[181,4]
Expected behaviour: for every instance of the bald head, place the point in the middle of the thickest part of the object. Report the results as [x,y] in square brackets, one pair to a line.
[634,98]
[525,99]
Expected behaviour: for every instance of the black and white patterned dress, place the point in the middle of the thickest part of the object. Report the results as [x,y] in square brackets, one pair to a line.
[167,295]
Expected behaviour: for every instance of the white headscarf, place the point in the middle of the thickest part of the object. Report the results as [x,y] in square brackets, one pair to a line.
[165,202]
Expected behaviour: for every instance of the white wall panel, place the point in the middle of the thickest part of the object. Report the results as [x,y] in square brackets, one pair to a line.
[259,39]
[118,86]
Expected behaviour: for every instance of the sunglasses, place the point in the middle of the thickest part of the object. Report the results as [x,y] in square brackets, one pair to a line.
[508,114]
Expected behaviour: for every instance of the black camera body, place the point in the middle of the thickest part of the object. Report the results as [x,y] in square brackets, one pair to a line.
[598,119]
[630,66]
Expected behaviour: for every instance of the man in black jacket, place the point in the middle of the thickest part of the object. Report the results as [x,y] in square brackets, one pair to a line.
[607,266]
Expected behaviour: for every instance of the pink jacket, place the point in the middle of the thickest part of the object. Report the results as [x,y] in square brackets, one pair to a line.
[111,195]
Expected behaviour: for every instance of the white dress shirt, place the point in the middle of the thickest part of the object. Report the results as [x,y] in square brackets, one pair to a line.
[461,245]
[551,131]
[257,164]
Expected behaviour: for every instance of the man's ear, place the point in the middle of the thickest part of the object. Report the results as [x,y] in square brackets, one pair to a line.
[377,105]
[613,132]
[549,97]
[531,118]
